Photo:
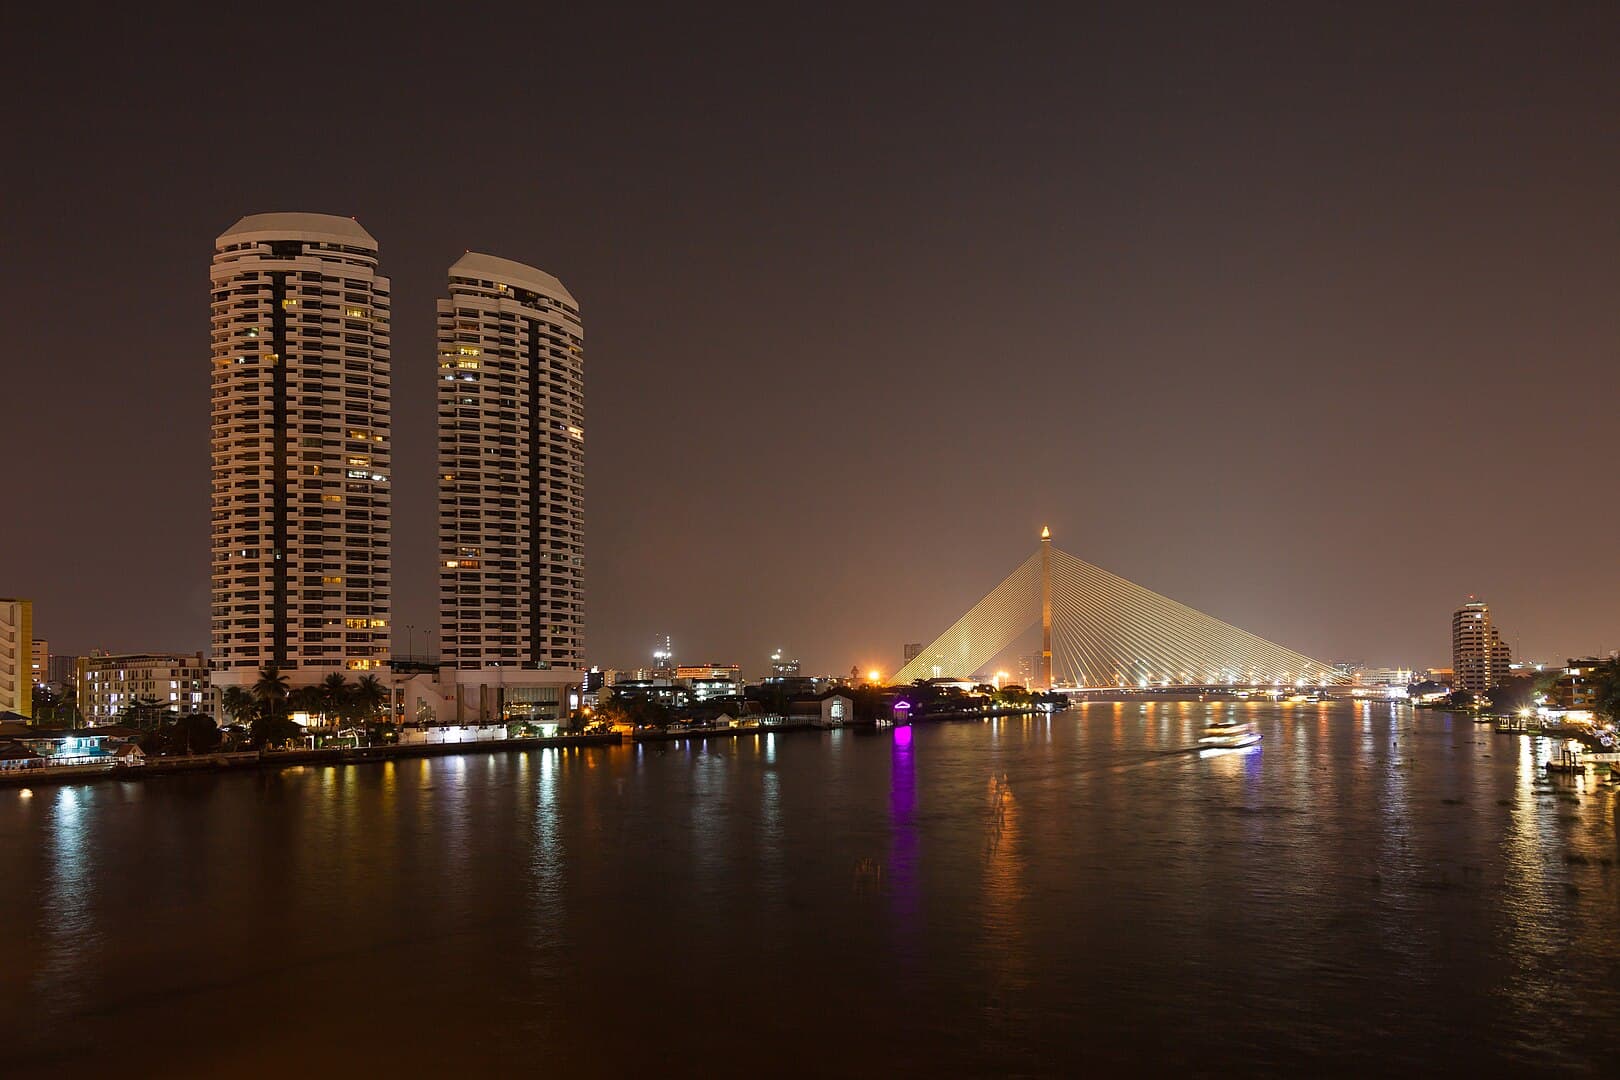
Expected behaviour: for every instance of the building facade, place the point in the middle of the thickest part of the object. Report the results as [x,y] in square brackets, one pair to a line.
[511,416]
[1479,656]
[109,684]
[707,681]
[1576,690]
[63,669]
[39,667]
[301,572]
[16,656]
[1385,676]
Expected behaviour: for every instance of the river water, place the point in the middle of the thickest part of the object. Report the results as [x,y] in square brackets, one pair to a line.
[1371,888]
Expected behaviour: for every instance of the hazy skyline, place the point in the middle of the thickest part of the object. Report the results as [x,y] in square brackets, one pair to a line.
[1312,327]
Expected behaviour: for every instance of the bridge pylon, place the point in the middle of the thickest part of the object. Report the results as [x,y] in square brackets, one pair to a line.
[1046,607]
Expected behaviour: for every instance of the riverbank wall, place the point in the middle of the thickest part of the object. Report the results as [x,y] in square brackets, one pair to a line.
[286,759]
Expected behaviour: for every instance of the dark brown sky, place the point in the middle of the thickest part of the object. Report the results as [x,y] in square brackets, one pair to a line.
[1305,317]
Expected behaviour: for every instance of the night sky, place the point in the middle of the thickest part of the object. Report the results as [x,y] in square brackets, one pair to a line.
[1307,318]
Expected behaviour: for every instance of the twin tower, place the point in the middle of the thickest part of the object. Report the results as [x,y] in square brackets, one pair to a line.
[302,442]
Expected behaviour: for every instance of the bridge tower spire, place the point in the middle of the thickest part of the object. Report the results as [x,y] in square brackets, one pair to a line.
[1046,608]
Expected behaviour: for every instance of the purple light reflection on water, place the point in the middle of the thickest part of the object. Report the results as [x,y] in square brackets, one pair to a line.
[902,870]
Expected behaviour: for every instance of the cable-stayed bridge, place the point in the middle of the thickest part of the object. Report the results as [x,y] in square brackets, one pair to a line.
[1100,631]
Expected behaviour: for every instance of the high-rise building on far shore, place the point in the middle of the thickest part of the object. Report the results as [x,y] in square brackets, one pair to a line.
[39,666]
[511,411]
[16,656]
[62,669]
[511,469]
[301,449]
[1479,656]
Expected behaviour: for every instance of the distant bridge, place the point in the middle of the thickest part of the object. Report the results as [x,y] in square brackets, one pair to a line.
[1099,631]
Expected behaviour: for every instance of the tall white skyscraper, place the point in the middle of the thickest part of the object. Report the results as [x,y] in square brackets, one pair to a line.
[301,445]
[511,470]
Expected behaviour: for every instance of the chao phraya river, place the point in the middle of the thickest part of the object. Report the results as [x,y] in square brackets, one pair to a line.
[1372,890]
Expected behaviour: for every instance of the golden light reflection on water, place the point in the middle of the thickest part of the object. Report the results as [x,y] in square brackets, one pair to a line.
[1533,926]
[1004,892]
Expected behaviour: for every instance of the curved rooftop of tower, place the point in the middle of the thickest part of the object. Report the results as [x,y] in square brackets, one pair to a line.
[293,226]
[475,264]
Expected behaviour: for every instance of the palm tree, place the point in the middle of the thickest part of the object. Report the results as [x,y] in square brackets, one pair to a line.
[143,712]
[238,704]
[369,696]
[271,690]
[334,693]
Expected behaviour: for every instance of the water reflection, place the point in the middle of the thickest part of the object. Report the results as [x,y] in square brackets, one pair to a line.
[1069,895]
[901,874]
[1004,893]
[71,934]
[547,897]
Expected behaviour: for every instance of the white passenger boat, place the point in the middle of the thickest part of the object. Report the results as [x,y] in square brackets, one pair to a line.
[1226,734]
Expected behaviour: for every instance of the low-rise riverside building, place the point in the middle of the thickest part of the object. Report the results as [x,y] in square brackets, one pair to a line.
[706,681]
[26,747]
[424,694]
[1574,693]
[110,684]
[829,710]
[662,691]
[1386,676]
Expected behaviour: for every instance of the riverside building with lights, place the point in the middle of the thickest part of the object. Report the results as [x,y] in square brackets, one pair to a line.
[110,683]
[16,656]
[301,571]
[511,422]
[1479,657]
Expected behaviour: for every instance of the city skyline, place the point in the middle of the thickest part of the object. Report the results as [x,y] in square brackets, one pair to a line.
[1200,338]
